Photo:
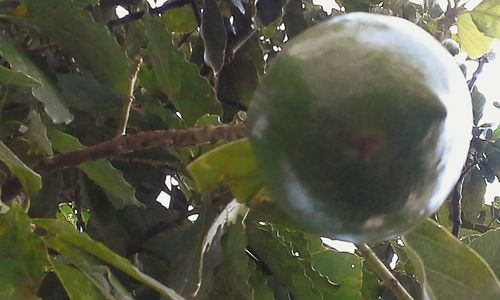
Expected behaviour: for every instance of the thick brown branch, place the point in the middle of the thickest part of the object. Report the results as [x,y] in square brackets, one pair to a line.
[129,143]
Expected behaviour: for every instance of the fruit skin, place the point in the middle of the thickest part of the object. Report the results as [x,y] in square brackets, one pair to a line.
[361,126]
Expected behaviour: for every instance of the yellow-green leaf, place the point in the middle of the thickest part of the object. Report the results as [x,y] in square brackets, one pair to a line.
[475,43]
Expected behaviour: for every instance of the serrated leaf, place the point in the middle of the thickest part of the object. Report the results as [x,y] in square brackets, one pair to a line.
[452,269]
[191,94]
[73,27]
[180,19]
[473,190]
[36,136]
[265,243]
[486,16]
[65,232]
[47,93]
[488,246]
[232,165]
[11,77]
[111,180]
[475,43]
[30,180]
[214,35]
[23,257]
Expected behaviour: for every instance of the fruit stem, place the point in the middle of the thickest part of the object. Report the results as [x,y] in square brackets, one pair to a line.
[383,273]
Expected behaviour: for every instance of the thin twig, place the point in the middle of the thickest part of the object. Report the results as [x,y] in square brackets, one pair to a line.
[482,61]
[129,143]
[122,127]
[383,273]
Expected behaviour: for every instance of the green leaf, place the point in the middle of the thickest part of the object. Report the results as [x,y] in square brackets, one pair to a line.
[293,17]
[111,180]
[85,93]
[488,246]
[180,19]
[232,165]
[97,279]
[266,244]
[452,269]
[76,284]
[486,16]
[475,43]
[73,27]
[36,136]
[47,92]
[213,33]
[23,257]
[232,275]
[268,12]
[30,180]
[191,94]
[11,77]
[478,102]
[340,267]
[64,231]
[473,190]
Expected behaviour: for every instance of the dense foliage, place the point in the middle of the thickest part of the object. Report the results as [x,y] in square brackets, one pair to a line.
[97,111]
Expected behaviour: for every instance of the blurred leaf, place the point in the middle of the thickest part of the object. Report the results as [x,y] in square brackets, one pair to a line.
[478,102]
[47,93]
[452,269]
[197,249]
[343,268]
[180,19]
[232,275]
[293,18]
[72,27]
[266,245]
[11,77]
[473,190]
[23,257]
[258,282]
[492,152]
[214,35]
[191,94]
[488,246]
[36,136]
[31,181]
[475,43]
[356,5]
[111,180]
[486,16]
[97,278]
[232,165]
[239,78]
[46,202]
[65,232]
[268,11]
[85,93]
[371,288]
[75,282]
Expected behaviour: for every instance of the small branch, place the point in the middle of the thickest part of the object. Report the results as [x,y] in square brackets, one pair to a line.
[129,143]
[456,200]
[122,127]
[383,273]
[482,61]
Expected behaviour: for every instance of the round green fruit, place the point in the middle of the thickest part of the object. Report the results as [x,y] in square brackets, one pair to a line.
[361,127]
